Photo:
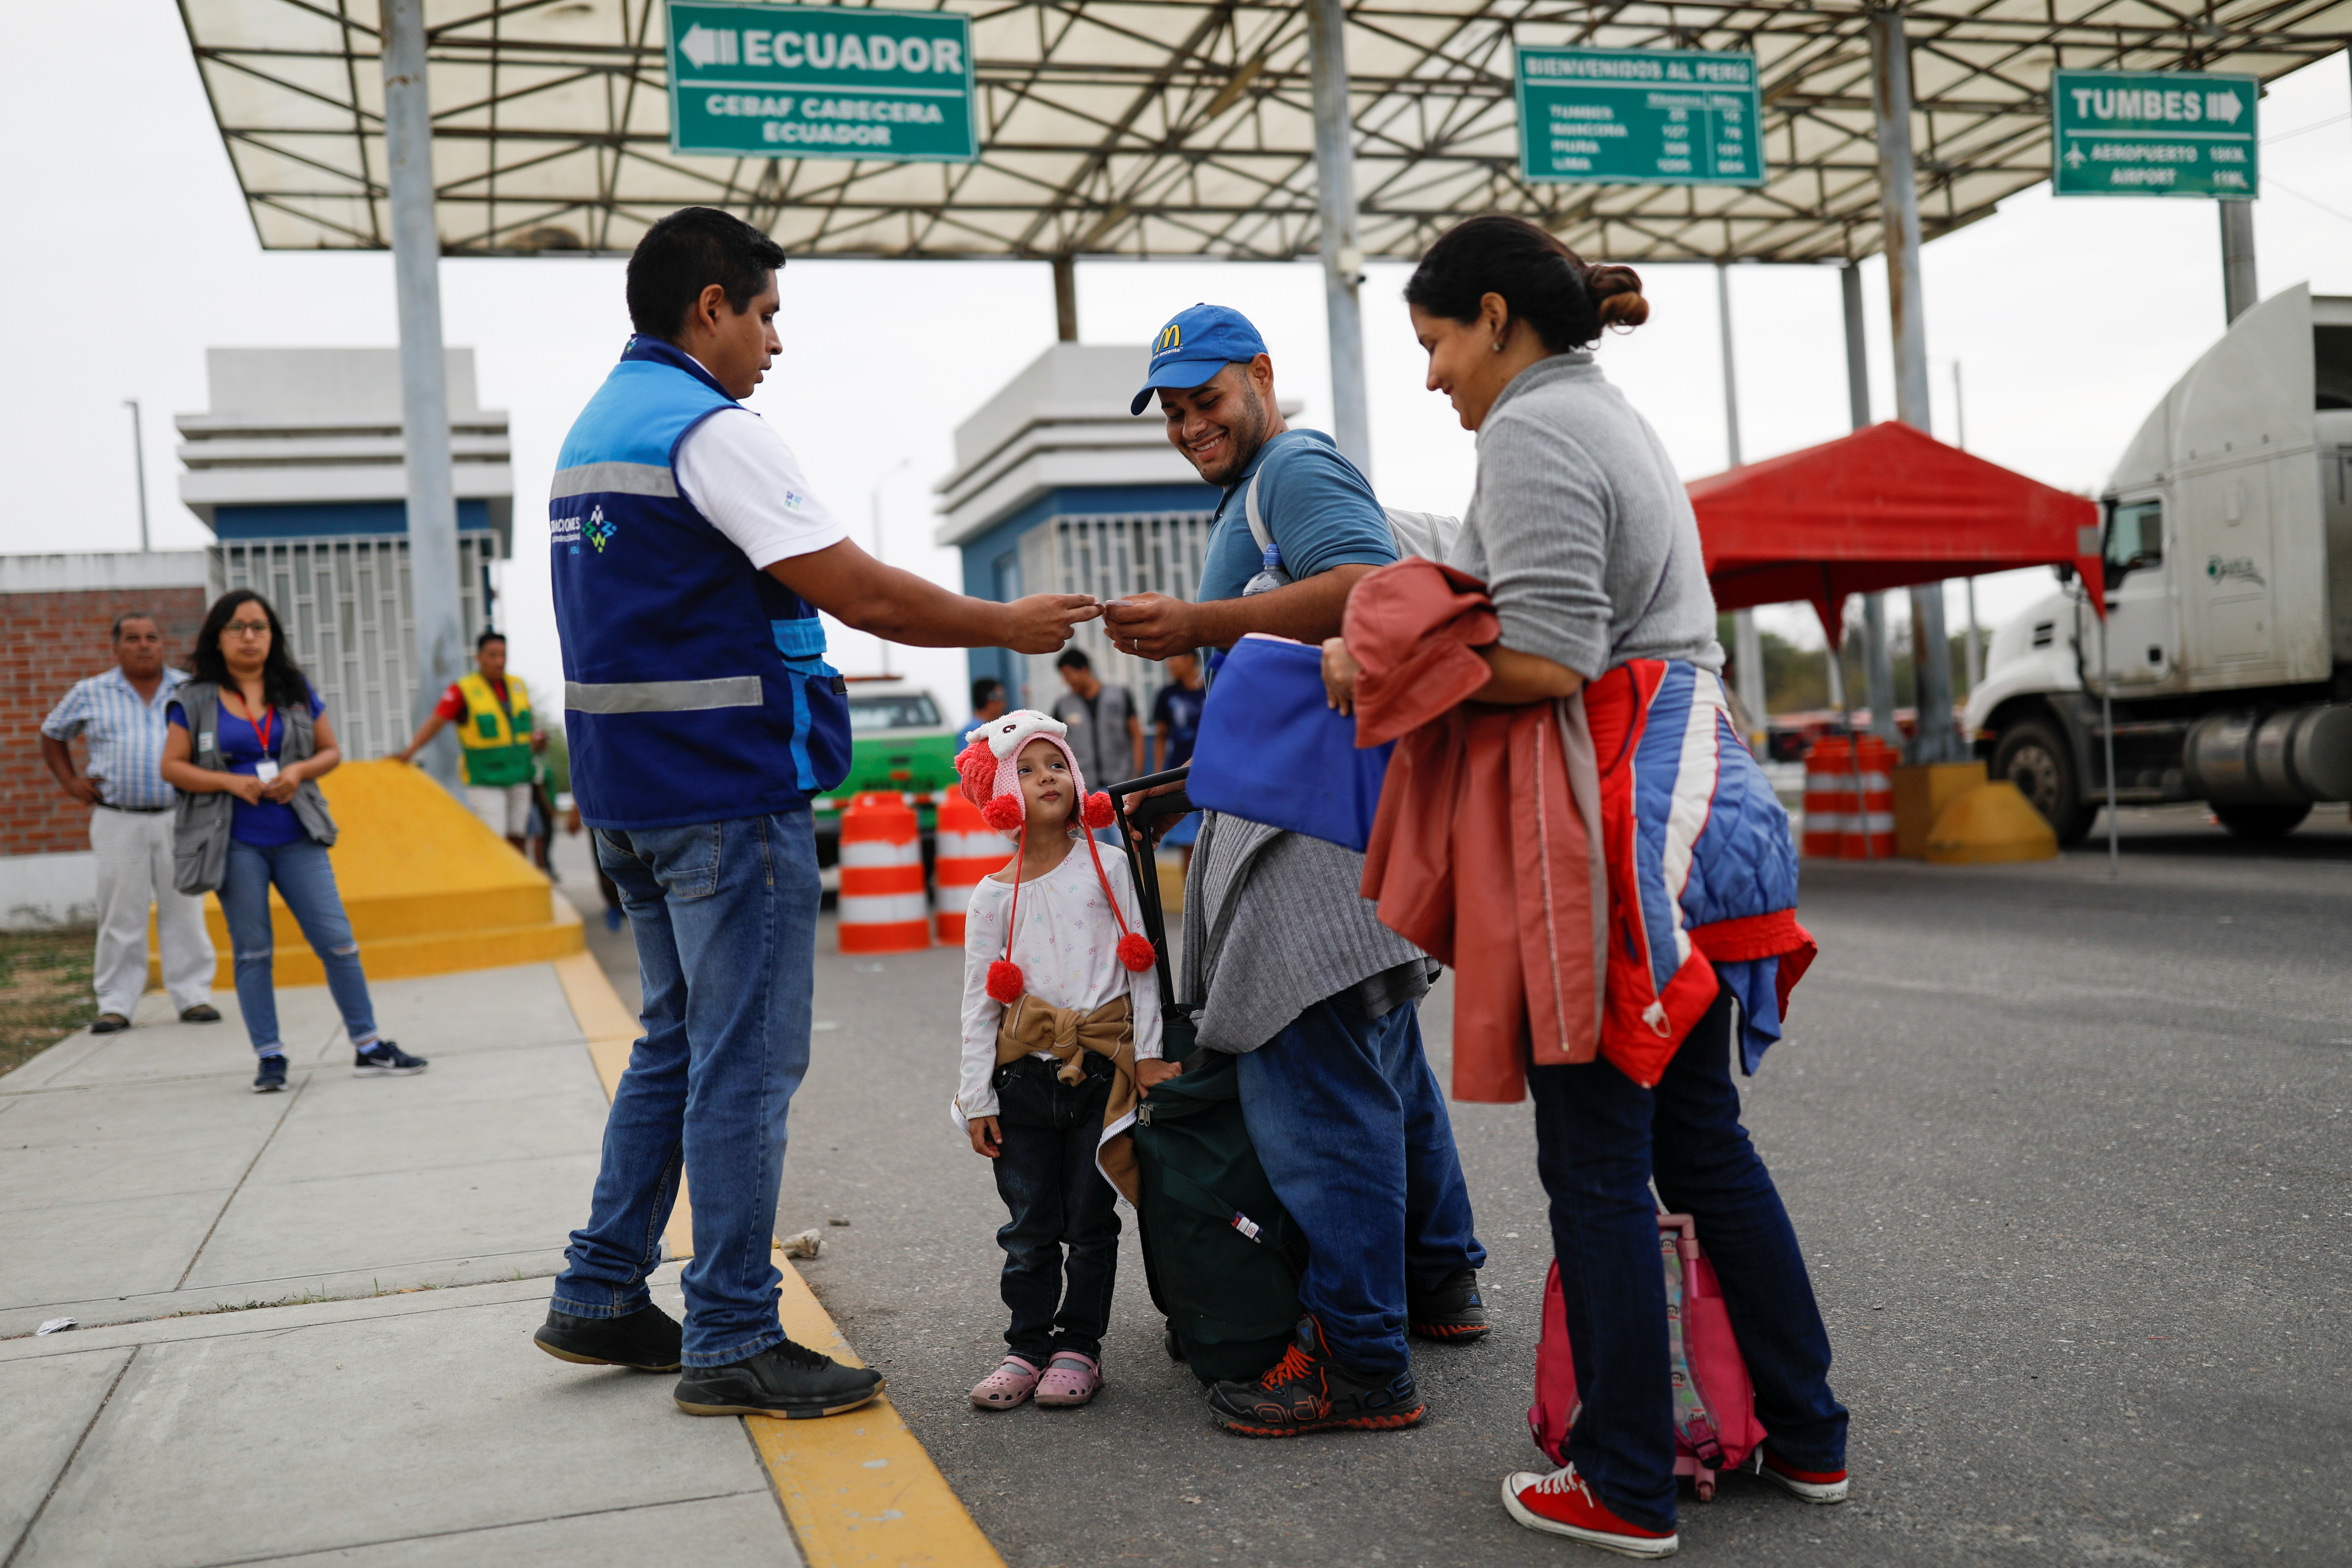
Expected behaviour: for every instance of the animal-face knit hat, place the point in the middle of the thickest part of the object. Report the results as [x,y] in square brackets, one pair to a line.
[990,769]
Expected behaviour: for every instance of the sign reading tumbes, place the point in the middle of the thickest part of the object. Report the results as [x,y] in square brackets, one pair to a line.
[1639,117]
[798,81]
[2146,133]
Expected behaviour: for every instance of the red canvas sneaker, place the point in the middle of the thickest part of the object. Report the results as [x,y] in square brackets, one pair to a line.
[1561,1504]
[1810,1486]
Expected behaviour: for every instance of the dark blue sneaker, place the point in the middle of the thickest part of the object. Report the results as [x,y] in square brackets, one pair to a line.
[272,1076]
[612,918]
[385,1060]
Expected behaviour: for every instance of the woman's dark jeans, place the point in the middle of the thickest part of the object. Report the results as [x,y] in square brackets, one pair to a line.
[1600,1140]
[1046,1173]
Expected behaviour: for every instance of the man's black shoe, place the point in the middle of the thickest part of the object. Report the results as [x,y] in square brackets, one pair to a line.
[1307,1390]
[783,1380]
[647,1339]
[1452,1313]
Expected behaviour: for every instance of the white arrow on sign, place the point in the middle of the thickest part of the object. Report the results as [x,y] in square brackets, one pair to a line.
[2223,107]
[700,45]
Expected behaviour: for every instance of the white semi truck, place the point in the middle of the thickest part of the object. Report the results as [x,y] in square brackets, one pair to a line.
[2227,651]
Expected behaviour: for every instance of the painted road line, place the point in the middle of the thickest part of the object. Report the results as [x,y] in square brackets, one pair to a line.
[858,1489]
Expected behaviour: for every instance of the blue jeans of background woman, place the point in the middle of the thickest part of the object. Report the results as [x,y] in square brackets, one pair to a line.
[1599,1141]
[306,880]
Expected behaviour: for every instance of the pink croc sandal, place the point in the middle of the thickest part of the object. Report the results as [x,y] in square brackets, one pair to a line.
[1005,1387]
[1070,1379]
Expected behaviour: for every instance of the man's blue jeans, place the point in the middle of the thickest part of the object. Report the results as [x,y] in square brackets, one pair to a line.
[1600,1140]
[725,918]
[306,880]
[1349,1125]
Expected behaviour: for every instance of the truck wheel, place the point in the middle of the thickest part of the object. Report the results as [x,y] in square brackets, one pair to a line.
[2032,755]
[2261,821]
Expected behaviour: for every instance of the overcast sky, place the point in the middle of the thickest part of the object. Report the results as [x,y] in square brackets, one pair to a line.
[134,254]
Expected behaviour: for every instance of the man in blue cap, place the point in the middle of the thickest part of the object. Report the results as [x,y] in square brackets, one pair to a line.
[1297,975]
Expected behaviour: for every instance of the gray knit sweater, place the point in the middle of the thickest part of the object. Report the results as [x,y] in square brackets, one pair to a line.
[1579,528]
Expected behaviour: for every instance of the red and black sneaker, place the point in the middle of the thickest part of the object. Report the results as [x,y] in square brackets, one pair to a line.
[1452,1314]
[1810,1486]
[1307,1390]
[1562,1504]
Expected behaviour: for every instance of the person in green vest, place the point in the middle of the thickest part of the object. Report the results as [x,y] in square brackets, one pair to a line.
[497,735]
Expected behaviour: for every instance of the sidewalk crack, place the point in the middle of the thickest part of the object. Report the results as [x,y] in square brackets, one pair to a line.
[242,1176]
[17,1547]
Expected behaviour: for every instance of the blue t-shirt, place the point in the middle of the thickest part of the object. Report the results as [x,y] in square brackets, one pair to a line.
[267,823]
[1179,707]
[1318,507]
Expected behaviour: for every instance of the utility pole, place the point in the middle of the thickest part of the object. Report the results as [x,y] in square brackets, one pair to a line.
[1877,666]
[1341,248]
[1747,644]
[138,466]
[1938,739]
[2239,292]
[424,375]
[1066,299]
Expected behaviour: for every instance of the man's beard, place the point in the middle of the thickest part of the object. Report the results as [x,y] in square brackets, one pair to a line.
[1248,434]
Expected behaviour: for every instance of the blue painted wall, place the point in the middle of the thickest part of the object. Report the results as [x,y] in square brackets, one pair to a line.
[324,519]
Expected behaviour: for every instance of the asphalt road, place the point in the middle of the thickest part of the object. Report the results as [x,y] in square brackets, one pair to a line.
[2069,1156]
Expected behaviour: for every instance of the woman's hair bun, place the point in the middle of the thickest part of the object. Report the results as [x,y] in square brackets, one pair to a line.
[1617,295]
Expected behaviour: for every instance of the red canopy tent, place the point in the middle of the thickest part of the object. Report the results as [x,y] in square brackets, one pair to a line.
[1886,507]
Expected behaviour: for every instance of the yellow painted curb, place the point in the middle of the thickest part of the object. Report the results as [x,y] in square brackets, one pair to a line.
[858,1489]
[1990,825]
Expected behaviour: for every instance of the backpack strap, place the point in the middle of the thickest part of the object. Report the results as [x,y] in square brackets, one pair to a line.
[1257,518]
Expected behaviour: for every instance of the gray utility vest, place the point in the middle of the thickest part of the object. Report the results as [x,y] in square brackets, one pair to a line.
[200,829]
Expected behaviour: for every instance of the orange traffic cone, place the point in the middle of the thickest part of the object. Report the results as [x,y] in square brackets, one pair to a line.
[883,909]
[968,849]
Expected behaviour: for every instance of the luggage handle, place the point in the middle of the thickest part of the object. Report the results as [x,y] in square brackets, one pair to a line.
[1144,869]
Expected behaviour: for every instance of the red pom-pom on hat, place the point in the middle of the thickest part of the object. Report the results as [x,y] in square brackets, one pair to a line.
[1003,813]
[1097,813]
[1135,951]
[1005,982]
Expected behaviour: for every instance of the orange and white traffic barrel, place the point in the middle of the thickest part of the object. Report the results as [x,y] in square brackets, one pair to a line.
[968,849]
[882,906]
[1829,795]
[1870,827]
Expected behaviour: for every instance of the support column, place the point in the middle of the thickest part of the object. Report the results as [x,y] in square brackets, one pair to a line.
[1747,644]
[1877,666]
[1066,299]
[2239,292]
[1938,737]
[1343,248]
[424,376]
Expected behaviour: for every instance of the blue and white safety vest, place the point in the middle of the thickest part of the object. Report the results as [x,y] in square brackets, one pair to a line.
[695,685]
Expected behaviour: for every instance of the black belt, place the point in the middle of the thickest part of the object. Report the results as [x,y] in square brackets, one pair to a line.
[134,810]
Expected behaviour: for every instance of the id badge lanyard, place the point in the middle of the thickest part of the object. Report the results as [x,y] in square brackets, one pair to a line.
[267,768]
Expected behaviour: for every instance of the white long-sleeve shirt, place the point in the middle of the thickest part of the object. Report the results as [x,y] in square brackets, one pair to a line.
[1067,947]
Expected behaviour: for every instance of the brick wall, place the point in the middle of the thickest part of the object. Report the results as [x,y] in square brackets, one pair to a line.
[49,641]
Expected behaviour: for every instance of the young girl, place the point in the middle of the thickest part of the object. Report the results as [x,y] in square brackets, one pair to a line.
[1061,1030]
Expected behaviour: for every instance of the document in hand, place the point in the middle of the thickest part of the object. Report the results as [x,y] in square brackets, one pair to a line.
[1271,750]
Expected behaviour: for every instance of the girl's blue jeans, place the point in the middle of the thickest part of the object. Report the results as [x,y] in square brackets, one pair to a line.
[306,880]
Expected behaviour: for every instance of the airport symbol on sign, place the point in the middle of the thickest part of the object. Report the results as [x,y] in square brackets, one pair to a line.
[1639,117]
[797,81]
[2154,133]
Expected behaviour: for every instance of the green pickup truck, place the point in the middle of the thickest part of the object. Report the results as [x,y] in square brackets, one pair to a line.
[898,741]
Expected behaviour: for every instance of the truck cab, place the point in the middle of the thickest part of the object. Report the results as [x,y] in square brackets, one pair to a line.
[2226,649]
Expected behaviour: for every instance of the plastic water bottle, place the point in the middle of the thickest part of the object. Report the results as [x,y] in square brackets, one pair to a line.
[1271,575]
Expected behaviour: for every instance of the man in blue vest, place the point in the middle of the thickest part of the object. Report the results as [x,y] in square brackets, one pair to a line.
[690,559]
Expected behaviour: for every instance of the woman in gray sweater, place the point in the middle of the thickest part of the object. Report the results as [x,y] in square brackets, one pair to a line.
[1587,546]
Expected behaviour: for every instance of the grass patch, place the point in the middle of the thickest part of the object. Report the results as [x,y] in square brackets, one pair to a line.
[45,989]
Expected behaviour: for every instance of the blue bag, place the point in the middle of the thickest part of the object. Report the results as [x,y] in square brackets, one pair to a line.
[1272,751]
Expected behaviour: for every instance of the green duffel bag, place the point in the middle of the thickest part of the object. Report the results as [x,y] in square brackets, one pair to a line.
[1221,1254]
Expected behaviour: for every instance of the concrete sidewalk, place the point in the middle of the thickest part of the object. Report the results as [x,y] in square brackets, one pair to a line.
[304,1318]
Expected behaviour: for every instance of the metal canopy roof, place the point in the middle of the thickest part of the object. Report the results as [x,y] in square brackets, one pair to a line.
[1179,127]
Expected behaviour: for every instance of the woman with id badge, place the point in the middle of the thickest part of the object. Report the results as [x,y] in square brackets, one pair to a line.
[249,734]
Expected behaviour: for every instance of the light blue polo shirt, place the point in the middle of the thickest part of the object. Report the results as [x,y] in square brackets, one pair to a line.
[1318,507]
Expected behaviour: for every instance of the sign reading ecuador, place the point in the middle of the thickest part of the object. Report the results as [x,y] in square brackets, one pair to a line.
[1639,117]
[795,82]
[2135,134]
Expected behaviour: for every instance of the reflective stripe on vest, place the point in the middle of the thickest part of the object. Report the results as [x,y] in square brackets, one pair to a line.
[663,696]
[495,740]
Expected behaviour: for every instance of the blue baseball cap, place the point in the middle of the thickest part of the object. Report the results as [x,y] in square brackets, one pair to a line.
[1196,344]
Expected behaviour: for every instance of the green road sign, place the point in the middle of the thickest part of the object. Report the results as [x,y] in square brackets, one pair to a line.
[798,81]
[1639,117]
[2142,133]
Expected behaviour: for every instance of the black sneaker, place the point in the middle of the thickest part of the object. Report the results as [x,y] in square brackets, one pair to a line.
[1307,1390]
[272,1076]
[783,1380]
[385,1060]
[647,1339]
[109,1023]
[1452,1313]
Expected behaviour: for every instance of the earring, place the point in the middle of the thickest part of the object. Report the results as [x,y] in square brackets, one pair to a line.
[1498,348]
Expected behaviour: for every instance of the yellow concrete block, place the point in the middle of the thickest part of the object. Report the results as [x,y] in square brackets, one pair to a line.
[1989,824]
[1171,888]
[1921,794]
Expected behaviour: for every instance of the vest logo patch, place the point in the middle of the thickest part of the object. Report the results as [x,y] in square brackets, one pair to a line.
[599,529]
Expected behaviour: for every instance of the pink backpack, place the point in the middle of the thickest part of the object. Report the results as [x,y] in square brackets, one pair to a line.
[1715,1428]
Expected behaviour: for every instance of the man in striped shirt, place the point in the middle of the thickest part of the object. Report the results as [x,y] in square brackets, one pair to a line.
[121,713]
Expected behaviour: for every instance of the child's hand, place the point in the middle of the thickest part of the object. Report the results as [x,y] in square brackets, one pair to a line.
[986,1139]
[1149,1074]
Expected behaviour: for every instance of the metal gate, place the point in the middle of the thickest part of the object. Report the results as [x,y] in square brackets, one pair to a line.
[345,603]
[1158,553]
